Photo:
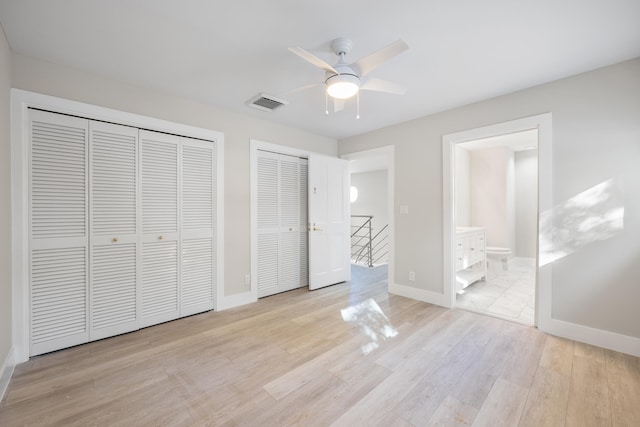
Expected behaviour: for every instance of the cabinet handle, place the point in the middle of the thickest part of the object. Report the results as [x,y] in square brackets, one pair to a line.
[115,240]
[160,237]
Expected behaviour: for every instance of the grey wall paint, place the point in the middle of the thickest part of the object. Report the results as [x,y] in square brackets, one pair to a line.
[5,200]
[596,138]
[46,78]
[372,198]
[462,187]
[490,195]
[526,197]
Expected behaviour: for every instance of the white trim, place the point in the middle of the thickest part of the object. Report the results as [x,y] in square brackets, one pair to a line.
[20,102]
[236,300]
[417,294]
[254,146]
[389,152]
[598,337]
[220,297]
[542,122]
[6,371]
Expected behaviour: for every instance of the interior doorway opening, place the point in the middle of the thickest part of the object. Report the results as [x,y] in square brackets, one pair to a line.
[371,197]
[543,124]
[495,217]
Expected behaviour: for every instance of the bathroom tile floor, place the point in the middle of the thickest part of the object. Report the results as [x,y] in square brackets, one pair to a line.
[507,294]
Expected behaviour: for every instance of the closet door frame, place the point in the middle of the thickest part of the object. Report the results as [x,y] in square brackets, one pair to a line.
[21,102]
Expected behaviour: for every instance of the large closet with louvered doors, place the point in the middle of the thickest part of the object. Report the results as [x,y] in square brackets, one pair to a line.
[282,252]
[121,229]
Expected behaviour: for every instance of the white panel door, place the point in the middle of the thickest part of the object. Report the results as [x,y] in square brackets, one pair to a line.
[268,223]
[329,241]
[58,231]
[160,218]
[198,266]
[114,229]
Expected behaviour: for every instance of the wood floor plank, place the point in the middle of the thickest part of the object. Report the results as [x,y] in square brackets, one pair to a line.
[546,404]
[623,373]
[373,407]
[293,359]
[558,355]
[521,365]
[473,388]
[452,413]
[441,331]
[588,403]
[503,405]
[427,396]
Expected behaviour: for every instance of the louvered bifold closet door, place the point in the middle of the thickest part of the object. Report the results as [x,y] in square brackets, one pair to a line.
[304,223]
[160,218]
[268,222]
[114,229]
[289,230]
[58,231]
[198,236]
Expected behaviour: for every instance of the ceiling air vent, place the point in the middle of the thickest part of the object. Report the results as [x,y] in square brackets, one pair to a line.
[266,102]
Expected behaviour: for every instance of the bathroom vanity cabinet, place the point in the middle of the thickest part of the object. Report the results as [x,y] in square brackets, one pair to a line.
[471,257]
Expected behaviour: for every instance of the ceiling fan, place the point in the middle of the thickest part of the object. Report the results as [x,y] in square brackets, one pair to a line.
[343,80]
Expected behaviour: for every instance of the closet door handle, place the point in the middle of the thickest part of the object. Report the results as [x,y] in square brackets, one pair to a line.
[160,237]
[115,240]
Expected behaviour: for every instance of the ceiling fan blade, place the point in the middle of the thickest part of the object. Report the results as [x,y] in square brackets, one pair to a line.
[380,85]
[312,59]
[372,61]
[338,104]
[301,88]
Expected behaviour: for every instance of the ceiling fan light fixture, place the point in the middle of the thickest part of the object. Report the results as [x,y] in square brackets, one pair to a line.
[342,86]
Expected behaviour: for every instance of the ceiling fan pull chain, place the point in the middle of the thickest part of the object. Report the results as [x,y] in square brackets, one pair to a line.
[326,103]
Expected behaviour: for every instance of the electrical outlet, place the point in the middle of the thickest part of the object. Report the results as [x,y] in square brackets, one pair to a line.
[247,279]
[412,276]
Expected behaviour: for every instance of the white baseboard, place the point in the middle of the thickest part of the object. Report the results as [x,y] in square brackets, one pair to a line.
[236,300]
[6,371]
[419,294]
[598,337]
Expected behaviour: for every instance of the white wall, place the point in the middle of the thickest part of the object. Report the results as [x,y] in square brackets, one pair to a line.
[5,204]
[526,199]
[596,137]
[462,187]
[491,194]
[372,196]
[46,78]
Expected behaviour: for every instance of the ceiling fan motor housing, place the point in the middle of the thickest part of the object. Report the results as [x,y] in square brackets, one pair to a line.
[343,85]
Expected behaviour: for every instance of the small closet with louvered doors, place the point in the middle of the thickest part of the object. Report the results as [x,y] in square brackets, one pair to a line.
[282,254]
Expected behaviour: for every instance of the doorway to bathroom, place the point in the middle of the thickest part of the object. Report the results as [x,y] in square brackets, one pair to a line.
[496,188]
[495,217]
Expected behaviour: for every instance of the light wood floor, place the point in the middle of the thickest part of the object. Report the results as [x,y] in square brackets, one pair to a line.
[292,359]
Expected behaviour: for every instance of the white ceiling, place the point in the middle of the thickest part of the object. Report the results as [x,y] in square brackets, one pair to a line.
[222,53]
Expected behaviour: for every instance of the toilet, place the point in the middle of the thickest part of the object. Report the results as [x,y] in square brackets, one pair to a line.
[497,253]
